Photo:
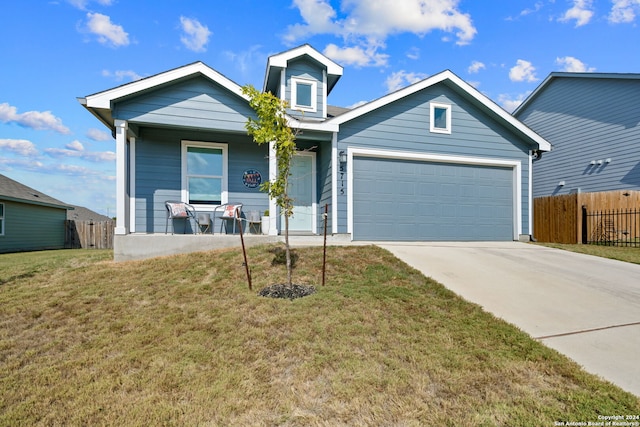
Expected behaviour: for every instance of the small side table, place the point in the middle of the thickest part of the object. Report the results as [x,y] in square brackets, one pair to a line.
[204,220]
[255,222]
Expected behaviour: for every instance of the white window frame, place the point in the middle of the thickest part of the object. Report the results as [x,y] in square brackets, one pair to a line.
[2,218]
[225,172]
[432,127]
[314,94]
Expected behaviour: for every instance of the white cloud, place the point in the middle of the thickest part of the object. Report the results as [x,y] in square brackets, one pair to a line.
[38,120]
[77,149]
[357,104]
[98,135]
[361,56]
[82,4]
[535,9]
[581,12]
[401,78]
[75,146]
[413,53]
[509,103]
[573,65]
[108,33]
[383,17]
[475,67]
[523,71]
[624,11]
[196,36]
[247,60]
[19,146]
[120,75]
[372,21]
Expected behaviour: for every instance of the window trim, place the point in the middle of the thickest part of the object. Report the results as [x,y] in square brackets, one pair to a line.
[2,218]
[314,94]
[224,196]
[432,127]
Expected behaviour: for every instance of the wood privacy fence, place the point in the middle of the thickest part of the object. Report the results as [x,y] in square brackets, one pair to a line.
[89,234]
[558,219]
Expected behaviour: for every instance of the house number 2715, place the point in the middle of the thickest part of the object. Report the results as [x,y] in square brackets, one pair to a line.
[341,180]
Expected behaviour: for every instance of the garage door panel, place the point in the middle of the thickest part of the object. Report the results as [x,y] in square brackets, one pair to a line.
[436,201]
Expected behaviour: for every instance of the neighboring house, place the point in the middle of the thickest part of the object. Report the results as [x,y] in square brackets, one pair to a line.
[592,121]
[436,160]
[80,213]
[29,220]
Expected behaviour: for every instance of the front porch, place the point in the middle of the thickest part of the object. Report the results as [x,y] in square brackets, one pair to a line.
[138,246]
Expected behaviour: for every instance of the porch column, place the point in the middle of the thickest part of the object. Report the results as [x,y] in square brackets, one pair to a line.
[122,214]
[335,165]
[273,173]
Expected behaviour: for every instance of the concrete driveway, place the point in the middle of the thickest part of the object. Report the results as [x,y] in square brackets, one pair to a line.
[586,307]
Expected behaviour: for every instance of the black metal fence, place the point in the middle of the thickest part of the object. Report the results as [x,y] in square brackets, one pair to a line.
[611,228]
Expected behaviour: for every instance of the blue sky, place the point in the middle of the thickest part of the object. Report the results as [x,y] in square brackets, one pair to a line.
[55,51]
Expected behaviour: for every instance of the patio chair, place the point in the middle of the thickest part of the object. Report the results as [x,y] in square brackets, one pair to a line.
[183,211]
[230,212]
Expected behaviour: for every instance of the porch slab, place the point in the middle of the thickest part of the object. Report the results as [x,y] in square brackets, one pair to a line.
[142,246]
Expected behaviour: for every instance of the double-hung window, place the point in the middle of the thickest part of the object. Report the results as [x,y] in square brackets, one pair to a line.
[204,173]
[440,118]
[303,94]
[1,219]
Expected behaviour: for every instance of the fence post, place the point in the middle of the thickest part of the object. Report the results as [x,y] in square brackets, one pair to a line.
[585,231]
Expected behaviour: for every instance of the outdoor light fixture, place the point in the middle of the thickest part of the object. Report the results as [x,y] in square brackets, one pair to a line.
[342,156]
[561,184]
[608,160]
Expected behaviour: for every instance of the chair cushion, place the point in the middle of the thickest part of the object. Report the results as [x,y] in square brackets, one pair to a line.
[229,211]
[178,210]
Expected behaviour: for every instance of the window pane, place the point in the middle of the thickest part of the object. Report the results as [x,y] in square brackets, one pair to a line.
[204,161]
[1,210]
[440,118]
[303,94]
[205,190]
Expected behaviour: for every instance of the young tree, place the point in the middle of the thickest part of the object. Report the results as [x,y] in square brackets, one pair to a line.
[271,126]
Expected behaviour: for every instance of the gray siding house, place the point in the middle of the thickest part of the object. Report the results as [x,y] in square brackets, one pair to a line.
[593,122]
[29,220]
[436,160]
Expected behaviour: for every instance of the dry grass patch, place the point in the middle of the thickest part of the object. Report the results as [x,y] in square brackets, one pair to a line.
[182,341]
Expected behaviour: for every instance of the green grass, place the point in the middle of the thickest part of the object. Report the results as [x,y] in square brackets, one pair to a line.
[626,254]
[182,341]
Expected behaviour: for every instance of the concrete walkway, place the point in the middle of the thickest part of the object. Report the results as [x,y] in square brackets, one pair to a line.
[586,307]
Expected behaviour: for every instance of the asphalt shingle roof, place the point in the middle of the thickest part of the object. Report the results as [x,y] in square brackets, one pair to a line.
[13,190]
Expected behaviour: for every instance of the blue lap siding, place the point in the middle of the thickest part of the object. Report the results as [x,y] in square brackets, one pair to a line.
[404,126]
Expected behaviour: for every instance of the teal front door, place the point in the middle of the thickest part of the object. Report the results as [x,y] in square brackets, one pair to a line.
[301,190]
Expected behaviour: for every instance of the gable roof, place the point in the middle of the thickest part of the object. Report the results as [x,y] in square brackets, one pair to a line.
[16,192]
[100,104]
[557,75]
[278,62]
[461,87]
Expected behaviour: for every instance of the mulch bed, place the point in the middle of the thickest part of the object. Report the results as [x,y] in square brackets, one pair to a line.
[286,291]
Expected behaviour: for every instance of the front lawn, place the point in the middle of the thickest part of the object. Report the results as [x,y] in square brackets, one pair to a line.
[182,341]
[621,253]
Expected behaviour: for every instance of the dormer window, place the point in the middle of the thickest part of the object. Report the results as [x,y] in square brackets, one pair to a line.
[303,94]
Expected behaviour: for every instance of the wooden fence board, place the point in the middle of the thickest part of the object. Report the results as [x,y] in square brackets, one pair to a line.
[558,219]
[89,234]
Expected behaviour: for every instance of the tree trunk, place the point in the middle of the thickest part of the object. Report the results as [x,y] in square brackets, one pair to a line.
[287,249]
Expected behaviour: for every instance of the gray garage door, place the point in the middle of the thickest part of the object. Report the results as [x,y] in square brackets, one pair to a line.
[412,201]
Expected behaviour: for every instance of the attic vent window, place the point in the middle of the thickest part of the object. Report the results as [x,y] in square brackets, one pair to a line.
[303,94]
[440,118]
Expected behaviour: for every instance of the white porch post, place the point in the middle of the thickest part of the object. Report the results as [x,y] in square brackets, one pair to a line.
[273,173]
[334,183]
[122,214]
